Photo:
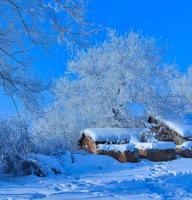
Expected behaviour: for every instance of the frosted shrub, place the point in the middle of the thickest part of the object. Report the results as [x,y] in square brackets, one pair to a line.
[14,144]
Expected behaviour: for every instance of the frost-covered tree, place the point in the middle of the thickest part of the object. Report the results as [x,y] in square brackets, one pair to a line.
[181,85]
[14,144]
[101,86]
[25,25]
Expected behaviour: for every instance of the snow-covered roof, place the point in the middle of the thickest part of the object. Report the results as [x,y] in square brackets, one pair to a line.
[117,135]
[116,147]
[155,145]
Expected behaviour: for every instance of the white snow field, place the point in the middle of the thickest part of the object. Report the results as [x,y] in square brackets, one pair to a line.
[101,177]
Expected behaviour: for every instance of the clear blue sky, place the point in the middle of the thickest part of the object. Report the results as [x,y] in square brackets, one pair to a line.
[168,20]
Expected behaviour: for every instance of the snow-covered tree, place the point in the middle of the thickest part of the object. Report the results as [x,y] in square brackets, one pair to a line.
[26,25]
[15,144]
[181,86]
[101,86]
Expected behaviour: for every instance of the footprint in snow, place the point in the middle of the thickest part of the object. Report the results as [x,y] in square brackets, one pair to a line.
[57,189]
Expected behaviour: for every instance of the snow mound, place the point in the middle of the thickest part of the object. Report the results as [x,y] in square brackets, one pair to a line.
[117,147]
[186,145]
[116,135]
[155,145]
[42,165]
[85,163]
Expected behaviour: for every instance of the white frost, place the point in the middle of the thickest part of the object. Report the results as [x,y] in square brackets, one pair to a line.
[155,145]
[117,147]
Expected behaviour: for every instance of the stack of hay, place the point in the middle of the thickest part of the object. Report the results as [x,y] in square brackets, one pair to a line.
[180,134]
[110,141]
[157,151]
[126,145]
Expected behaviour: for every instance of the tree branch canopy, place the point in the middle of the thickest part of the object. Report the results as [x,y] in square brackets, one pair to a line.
[26,24]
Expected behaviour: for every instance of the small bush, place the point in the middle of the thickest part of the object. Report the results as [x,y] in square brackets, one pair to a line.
[14,144]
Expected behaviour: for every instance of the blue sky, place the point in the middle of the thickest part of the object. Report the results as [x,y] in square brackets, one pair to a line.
[170,21]
[167,20]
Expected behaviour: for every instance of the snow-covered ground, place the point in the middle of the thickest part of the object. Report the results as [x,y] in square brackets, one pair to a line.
[101,177]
